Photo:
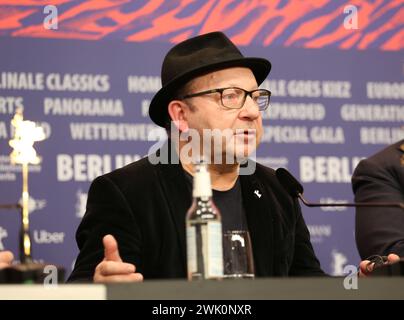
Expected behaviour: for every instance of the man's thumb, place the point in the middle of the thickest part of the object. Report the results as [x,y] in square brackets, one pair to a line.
[111,252]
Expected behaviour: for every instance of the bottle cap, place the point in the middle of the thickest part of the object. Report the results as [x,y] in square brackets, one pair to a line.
[202,184]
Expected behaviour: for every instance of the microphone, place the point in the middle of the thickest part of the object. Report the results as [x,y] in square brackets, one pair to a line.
[295,189]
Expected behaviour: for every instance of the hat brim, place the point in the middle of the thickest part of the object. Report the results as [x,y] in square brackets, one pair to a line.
[158,110]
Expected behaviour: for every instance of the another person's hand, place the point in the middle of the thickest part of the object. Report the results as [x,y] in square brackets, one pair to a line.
[112,268]
[6,257]
[366,268]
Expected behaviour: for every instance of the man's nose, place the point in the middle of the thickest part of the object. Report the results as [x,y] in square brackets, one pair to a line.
[250,109]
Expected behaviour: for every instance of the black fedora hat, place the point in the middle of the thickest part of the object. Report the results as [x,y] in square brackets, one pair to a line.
[195,57]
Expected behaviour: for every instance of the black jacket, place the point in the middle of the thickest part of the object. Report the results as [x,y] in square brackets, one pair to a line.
[380,178]
[144,207]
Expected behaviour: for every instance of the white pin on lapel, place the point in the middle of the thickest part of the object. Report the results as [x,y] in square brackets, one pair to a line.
[257,193]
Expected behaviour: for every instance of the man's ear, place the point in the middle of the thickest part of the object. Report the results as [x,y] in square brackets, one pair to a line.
[177,112]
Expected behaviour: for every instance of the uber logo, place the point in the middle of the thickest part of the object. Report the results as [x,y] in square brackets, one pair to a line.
[45,237]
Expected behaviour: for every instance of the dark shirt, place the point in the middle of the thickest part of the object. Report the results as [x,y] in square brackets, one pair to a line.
[230,205]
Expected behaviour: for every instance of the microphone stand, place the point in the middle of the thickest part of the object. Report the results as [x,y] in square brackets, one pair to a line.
[356,204]
[295,189]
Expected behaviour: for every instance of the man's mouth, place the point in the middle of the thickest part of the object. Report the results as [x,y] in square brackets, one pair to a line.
[246,135]
[245,132]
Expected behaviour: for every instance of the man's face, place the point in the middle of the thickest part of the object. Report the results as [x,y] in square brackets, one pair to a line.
[240,130]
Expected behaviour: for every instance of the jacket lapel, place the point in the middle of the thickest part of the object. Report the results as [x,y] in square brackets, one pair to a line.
[258,208]
[178,196]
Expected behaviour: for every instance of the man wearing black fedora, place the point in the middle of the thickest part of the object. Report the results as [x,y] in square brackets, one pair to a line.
[207,84]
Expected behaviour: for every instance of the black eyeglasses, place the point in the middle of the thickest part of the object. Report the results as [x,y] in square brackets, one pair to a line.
[234,98]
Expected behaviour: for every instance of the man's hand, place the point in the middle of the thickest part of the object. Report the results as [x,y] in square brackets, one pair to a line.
[112,268]
[6,257]
[366,268]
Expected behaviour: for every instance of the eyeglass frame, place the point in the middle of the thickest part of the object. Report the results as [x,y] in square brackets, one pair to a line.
[220,90]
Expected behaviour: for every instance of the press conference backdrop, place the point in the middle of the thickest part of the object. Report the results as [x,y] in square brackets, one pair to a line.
[86,71]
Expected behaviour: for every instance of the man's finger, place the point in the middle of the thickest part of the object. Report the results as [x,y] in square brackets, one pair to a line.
[366,267]
[111,252]
[391,258]
[109,268]
[133,277]
[6,257]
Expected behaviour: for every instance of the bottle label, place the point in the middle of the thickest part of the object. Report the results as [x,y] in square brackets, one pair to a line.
[214,263]
[205,250]
[191,251]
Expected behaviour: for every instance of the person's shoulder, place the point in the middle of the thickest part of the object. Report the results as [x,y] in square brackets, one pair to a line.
[267,176]
[264,171]
[384,165]
[383,159]
[141,165]
[257,170]
[387,152]
[140,172]
[287,207]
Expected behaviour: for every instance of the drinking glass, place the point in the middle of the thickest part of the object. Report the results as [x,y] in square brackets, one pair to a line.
[237,254]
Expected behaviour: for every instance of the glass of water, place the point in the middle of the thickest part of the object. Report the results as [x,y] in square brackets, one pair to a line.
[237,254]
